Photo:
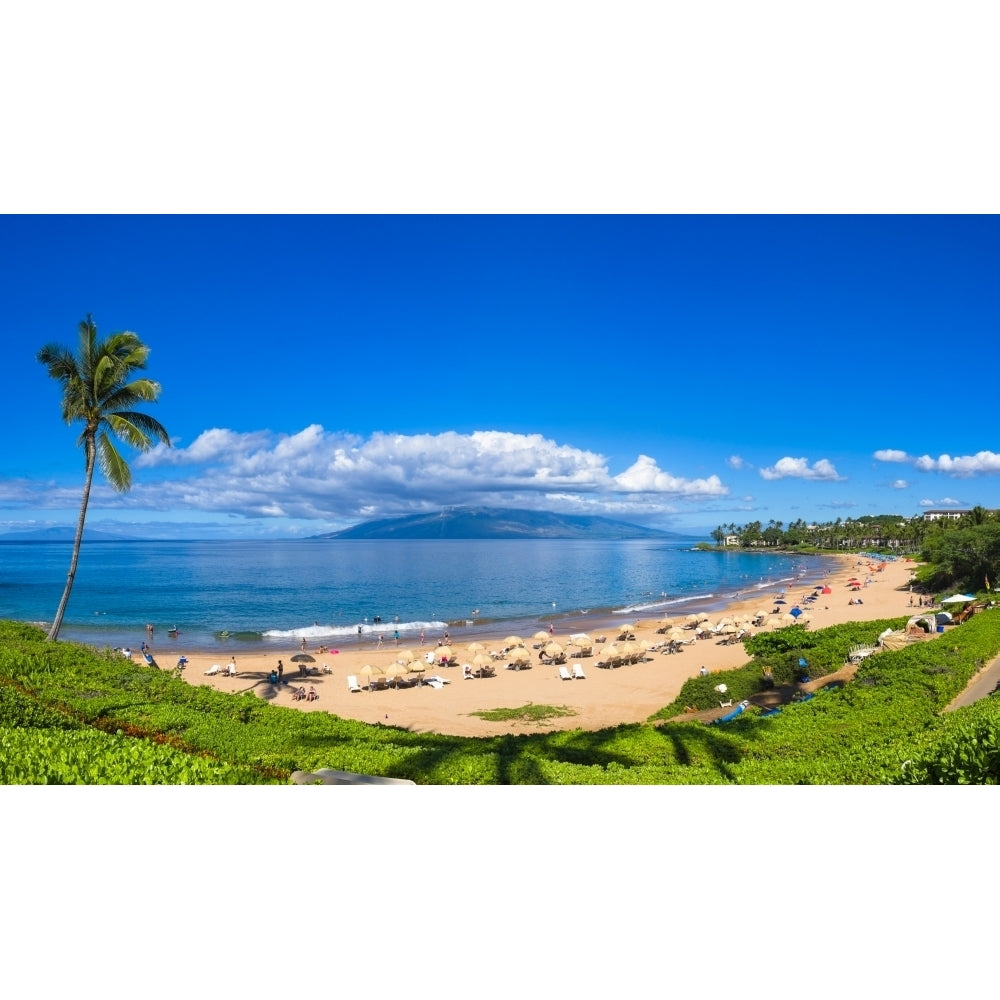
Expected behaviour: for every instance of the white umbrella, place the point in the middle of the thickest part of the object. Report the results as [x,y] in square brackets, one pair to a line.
[958,599]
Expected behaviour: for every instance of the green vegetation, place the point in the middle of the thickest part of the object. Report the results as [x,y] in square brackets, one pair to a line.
[100,390]
[526,713]
[961,553]
[69,714]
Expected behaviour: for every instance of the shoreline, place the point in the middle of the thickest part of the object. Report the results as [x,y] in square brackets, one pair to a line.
[603,698]
[344,637]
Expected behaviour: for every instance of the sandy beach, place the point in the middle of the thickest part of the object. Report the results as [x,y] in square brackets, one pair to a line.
[605,697]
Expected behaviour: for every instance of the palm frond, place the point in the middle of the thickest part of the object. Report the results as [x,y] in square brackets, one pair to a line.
[148,426]
[113,467]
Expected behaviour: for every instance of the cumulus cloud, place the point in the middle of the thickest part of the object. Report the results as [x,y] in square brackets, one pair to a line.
[898,484]
[736,462]
[960,467]
[799,468]
[644,477]
[892,455]
[336,478]
[210,446]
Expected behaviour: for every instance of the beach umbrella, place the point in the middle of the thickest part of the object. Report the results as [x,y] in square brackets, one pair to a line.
[481,660]
[369,670]
[519,655]
[442,653]
[676,633]
[513,640]
[580,639]
[795,612]
[476,647]
[303,658]
[692,618]
[405,656]
[826,590]
[398,669]
[958,599]
[778,600]
[541,635]
[553,649]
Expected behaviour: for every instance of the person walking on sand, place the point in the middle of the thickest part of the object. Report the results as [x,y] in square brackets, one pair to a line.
[379,646]
[421,637]
[303,644]
[395,636]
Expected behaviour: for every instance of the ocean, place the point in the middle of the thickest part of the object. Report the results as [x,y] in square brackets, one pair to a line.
[271,594]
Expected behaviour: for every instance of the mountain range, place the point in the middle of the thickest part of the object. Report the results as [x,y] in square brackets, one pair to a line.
[489,522]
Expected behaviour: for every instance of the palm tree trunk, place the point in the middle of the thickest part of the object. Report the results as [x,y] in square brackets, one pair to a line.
[71,575]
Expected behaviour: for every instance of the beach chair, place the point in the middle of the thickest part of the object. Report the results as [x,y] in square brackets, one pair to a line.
[352,684]
[578,673]
[213,670]
[726,704]
[565,674]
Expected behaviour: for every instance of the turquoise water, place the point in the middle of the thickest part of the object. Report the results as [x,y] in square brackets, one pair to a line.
[265,593]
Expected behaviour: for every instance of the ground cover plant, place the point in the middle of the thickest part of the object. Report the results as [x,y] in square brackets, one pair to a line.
[71,714]
[526,713]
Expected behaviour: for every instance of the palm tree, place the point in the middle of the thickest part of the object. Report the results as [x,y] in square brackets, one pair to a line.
[99,389]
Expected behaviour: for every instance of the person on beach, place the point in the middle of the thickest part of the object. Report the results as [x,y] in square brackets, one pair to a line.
[281,671]
[312,696]
[703,672]
[421,637]
[379,646]
[303,644]
[395,636]
[231,668]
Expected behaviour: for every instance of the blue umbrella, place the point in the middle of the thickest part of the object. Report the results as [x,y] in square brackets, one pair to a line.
[795,612]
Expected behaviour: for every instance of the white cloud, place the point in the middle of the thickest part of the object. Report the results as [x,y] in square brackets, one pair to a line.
[899,484]
[211,445]
[644,477]
[892,455]
[961,467]
[799,468]
[736,462]
[337,478]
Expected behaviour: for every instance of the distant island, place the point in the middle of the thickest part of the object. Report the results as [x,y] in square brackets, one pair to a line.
[64,533]
[487,522]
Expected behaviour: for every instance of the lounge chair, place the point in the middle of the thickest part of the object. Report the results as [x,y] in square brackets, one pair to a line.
[726,704]
[212,670]
[565,674]
[352,684]
[578,673]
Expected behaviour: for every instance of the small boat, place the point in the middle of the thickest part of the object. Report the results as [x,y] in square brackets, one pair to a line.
[172,631]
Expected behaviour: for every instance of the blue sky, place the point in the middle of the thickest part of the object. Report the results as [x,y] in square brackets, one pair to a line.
[678,371]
